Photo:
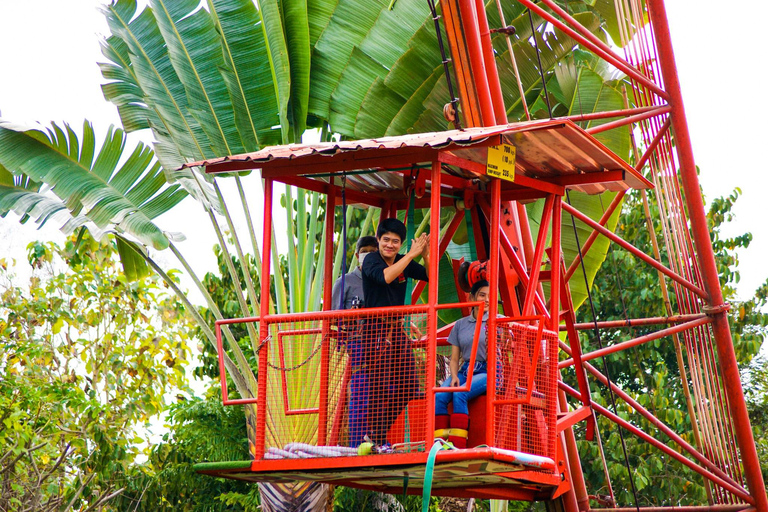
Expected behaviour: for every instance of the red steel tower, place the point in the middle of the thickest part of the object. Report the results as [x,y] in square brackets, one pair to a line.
[522,437]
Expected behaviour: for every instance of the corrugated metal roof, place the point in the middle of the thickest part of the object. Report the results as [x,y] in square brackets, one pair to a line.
[435,140]
[549,148]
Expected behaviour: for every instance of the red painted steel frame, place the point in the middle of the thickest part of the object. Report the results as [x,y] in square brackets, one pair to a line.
[534,357]
[628,120]
[471,33]
[634,250]
[706,258]
[693,508]
[538,254]
[638,341]
[493,310]
[635,322]
[284,378]
[661,446]
[480,56]
[703,460]
[591,42]
[472,358]
[330,217]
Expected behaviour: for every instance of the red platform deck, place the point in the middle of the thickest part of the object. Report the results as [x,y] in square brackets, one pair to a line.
[478,472]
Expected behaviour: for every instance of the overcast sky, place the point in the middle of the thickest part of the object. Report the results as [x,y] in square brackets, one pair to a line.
[48,72]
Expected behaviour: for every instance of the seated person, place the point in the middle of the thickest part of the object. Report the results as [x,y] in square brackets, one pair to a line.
[391,369]
[352,297]
[461,338]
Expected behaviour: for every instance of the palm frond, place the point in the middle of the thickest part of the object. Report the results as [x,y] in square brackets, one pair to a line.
[123,197]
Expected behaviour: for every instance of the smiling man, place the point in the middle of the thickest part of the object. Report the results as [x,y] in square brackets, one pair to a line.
[385,273]
[390,365]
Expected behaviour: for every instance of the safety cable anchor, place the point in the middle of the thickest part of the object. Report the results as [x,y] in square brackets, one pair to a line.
[509,30]
[715,310]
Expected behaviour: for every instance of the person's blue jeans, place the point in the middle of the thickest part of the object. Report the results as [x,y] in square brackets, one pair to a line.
[461,399]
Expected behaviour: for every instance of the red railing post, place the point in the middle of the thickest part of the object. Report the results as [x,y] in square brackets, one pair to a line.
[261,396]
[493,312]
[706,257]
[322,417]
[434,264]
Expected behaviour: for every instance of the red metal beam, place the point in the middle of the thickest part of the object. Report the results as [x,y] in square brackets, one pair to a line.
[489,58]
[555,257]
[330,217]
[452,228]
[637,341]
[700,233]
[575,344]
[434,273]
[493,310]
[471,33]
[573,417]
[538,254]
[353,196]
[374,158]
[634,250]
[266,256]
[654,144]
[587,178]
[521,195]
[658,423]
[629,120]
[519,268]
[704,508]
[537,184]
[591,116]
[635,322]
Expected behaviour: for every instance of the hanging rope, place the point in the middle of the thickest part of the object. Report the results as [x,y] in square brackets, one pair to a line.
[514,62]
[445,60]
[538,57]
[605,363]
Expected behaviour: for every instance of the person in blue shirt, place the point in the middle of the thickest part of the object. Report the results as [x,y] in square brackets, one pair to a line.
[391,369]
[461,338]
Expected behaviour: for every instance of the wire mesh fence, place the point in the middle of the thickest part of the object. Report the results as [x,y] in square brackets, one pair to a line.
[355,382]
[526,411]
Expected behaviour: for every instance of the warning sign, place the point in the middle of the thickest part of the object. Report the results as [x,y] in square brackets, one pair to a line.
[501,162]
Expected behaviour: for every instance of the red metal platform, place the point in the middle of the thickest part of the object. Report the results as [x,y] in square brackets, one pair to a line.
[478,472]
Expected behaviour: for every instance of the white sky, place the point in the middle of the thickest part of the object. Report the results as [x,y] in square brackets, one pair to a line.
[48,72]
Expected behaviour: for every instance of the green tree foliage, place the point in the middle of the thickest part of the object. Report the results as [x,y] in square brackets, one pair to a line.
[87,360]
[756,392]
[199,430]
[626,288]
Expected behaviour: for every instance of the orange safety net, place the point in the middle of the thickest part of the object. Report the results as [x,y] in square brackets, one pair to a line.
[526,411]
[337,381]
